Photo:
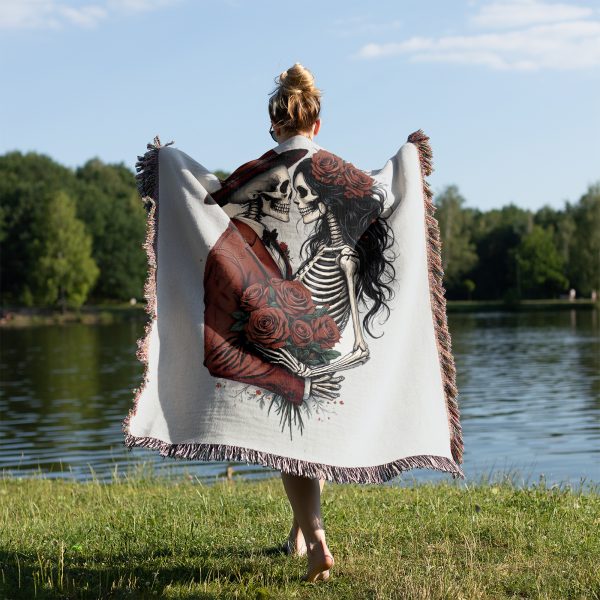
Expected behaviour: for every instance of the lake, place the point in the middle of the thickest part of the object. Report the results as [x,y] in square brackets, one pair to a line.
[529,395]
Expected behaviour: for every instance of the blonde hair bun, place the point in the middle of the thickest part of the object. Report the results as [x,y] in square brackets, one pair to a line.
[298,80]
[295,103]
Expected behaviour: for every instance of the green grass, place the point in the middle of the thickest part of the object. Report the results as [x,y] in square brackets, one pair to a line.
[146,536]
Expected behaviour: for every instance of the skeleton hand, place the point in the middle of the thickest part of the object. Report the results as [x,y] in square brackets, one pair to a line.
[325,386]
[358,356]
[284,357]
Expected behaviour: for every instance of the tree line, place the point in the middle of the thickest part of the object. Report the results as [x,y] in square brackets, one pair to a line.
[514,253]
[74,236]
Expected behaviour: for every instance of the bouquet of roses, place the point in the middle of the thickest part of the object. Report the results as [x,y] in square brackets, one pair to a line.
[280,313]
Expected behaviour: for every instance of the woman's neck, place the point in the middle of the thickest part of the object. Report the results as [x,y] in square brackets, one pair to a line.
[287,136]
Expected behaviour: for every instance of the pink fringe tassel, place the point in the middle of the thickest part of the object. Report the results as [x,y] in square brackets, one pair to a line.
[438,300]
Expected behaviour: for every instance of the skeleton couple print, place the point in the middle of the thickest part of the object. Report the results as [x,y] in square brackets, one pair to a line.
[301,277]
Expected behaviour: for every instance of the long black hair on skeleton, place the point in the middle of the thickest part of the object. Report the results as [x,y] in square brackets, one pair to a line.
[363,229]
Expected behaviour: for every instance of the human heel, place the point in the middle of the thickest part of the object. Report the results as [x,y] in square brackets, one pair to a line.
[320,570]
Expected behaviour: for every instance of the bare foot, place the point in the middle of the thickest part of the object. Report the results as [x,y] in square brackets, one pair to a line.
[320,560]
[295,544]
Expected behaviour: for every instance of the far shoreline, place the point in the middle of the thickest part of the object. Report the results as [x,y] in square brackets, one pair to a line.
[99,314]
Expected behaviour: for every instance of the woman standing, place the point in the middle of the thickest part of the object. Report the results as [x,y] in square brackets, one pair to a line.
[294,109]
[255,320]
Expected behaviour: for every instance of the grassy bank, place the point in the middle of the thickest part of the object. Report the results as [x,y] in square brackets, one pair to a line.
[111,313]
[523,305]
[88,314]
[146,537]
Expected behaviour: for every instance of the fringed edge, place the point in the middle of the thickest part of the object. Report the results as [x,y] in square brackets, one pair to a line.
[147,171]
[147,185]
[438,300]
[226,453]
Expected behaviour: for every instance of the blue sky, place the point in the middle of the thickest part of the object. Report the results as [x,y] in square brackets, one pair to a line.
[507,90]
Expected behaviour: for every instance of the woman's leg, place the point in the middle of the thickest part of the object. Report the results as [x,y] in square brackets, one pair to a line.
[295,536]
[305,497]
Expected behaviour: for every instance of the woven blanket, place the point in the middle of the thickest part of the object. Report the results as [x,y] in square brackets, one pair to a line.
[296,315]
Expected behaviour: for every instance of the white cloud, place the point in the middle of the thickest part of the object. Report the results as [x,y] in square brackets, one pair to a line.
[519,13]
[86,16]
[558,39]
[55,14]
[138,5]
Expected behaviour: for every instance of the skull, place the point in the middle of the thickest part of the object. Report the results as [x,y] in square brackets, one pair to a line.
[272,188]
[307,201]
[276,195]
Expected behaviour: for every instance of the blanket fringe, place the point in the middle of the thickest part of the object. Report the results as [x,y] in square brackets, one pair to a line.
[147,171]
[438,300]
[225,453]
[148,187]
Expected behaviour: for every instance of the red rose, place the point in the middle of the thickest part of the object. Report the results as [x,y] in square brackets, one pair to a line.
[326,167]
[292,296]
[302,334]
[356,182]
[254,296]
[285,249]
[325,331]
[268,327]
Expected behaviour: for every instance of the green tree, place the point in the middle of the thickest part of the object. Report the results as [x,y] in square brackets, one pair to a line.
[26,182]
[584,249]
[65,270]
[458,250]
[540,266]
[469,286]
[106,201]
[497,233]
[114,214]
[222,174]
[562,226]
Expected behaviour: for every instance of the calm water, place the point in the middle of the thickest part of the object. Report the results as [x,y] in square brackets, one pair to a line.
[529,388]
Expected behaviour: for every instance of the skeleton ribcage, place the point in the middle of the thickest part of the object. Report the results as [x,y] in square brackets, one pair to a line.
[327,284]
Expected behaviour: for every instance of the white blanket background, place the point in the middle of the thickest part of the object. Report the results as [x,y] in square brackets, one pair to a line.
[399,408]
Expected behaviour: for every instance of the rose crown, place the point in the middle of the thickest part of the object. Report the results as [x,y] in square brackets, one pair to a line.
[329,168]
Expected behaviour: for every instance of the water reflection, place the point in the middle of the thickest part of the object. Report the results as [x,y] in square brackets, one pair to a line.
[529,388]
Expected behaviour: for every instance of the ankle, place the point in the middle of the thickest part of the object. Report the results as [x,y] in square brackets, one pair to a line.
[317,542]
[295,531]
